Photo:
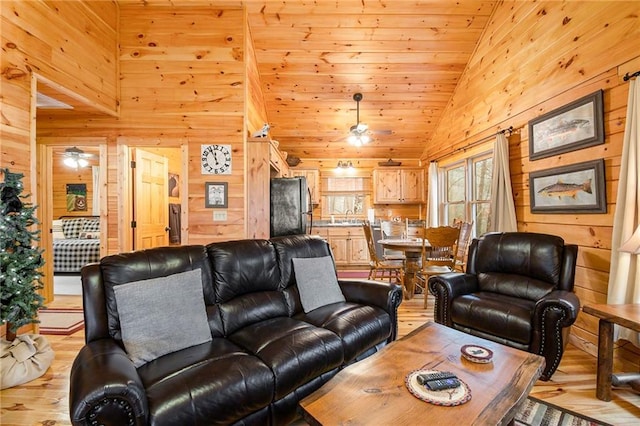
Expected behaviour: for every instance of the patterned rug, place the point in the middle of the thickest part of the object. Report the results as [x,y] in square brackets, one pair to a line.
[60,321]
[539,413]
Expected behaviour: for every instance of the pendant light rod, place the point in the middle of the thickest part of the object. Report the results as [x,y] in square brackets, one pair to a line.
[357,97]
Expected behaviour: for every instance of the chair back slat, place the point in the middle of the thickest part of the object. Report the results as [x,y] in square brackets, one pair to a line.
[438,246]
[462,246]
[371,245]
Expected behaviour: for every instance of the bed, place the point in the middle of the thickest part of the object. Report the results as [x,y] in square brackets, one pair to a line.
[76,242]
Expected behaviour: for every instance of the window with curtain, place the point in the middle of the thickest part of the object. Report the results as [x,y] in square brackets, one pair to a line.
[466,191]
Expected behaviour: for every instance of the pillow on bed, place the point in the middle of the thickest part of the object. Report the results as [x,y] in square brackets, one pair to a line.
[162,315]
[91,225]
[72,227]
[56,230]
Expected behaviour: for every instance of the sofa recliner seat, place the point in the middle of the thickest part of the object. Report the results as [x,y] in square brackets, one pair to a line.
[517,290]
[266,353]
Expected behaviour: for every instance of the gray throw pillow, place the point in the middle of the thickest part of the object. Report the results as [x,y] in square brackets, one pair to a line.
[317,282]
[162,315]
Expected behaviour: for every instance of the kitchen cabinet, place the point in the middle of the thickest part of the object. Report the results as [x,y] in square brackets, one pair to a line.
[398,186]
[279,166]
[313,181]
[348,245]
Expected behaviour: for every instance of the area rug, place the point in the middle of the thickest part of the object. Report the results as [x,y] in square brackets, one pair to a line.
[539,413]
[60,321]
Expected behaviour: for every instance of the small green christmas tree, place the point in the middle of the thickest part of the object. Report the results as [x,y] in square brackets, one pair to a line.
[20,278]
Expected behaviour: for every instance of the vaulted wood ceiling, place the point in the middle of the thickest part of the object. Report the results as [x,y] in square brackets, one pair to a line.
[405,57]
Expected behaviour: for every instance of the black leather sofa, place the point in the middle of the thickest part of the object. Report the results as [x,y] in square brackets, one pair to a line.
[266,353]
[517,290]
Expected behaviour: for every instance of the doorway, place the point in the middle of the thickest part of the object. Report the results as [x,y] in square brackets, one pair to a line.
[68,195]
[155,188]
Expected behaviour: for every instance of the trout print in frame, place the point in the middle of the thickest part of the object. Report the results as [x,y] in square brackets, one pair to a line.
[576,188]
[573,126]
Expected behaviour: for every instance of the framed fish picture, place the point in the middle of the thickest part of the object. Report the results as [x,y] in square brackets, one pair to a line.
[573,126]
[576,188]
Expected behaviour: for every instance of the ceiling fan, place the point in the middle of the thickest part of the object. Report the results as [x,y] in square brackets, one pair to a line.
[75,157]
[359,134]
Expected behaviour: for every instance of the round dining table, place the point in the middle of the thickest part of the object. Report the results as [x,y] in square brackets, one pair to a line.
[412,249]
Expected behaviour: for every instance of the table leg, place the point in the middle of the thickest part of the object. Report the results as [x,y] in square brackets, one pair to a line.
[605,360]
[411,266]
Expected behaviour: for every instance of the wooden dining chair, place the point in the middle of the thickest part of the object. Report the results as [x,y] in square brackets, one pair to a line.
[381,268]
[392,229]
[462,246]
[438,254]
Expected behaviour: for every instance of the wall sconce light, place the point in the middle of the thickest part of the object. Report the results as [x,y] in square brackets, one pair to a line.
[632,245]
[344,166]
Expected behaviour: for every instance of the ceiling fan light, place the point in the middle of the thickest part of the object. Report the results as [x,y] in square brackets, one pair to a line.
[70,162]
[82,162]
[361,127]
[365,139]
[353,139]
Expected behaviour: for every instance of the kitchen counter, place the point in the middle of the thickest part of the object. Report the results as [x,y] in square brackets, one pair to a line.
[336,224]
[358,222]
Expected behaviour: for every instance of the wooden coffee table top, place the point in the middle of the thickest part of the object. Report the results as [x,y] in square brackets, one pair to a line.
[373,390]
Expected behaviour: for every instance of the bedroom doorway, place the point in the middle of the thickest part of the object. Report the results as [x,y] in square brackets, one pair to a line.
[70,195]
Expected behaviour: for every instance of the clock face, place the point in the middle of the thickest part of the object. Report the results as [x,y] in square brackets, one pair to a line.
[216,159]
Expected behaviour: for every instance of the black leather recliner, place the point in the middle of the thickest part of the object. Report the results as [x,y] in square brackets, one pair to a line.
[517,290]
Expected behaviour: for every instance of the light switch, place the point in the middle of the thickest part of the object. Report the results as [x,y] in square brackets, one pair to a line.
[219,215]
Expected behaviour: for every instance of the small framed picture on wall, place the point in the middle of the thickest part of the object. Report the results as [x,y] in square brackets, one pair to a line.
[216,195]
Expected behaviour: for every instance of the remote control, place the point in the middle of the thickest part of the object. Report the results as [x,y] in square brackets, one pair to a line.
[424,378]
[441,384]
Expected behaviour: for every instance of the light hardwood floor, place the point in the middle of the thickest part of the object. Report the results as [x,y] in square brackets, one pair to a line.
[44,401]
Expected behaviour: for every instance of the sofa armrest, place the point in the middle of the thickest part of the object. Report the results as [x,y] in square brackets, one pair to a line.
[105,387]
[556,311]
[445,288]
[566,302]
[387,296]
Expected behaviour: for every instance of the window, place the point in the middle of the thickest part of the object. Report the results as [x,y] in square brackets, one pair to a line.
[345,196]
[466,191]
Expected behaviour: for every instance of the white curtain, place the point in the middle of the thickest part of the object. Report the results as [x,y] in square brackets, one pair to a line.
[624,276]
[432,203]
[503,211]
[96,191]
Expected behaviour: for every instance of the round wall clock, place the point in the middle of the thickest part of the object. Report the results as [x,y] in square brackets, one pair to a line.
[216,159]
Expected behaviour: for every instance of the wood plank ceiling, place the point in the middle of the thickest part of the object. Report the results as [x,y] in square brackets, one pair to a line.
[405,57]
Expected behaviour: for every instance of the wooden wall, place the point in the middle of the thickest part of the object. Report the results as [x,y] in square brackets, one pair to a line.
[63,175]
[533,58]
[178,89]
[71,45]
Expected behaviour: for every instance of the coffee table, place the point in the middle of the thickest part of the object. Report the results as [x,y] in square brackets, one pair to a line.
[373,390]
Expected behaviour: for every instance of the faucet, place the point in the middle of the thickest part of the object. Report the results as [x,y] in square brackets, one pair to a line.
[346,215]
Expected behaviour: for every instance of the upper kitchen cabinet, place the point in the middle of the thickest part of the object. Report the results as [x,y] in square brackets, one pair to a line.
[313,182]
[398,186]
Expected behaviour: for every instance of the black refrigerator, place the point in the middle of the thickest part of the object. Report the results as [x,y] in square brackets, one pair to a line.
[291,209]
